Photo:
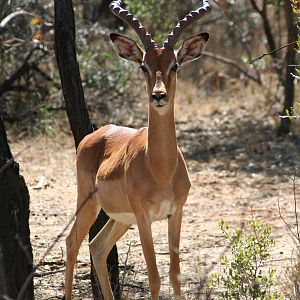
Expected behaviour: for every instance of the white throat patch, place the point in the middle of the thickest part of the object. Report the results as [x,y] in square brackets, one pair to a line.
[162,110]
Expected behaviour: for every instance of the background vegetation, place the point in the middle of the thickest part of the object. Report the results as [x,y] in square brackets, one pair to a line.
[252,48]
[241,31]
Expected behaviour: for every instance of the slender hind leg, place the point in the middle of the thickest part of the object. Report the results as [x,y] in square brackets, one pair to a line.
[84,220]
[174,228]
[100,247]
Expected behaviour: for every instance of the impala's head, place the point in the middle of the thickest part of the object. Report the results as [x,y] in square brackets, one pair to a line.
[160,65]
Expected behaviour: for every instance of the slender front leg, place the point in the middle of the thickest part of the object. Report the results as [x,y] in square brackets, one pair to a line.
[84,220]
[100,247]
[144,226]
[174,228]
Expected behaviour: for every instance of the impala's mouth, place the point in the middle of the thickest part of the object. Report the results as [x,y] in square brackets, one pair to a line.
[161,106]
[159,103]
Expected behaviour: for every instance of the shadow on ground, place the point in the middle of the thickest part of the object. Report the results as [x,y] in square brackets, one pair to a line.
[241,145]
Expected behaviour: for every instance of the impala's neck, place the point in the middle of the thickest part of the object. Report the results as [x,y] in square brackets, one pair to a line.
[162,145]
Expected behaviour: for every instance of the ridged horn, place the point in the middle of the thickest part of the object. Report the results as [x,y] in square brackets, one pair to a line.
[183,24]
[130,19]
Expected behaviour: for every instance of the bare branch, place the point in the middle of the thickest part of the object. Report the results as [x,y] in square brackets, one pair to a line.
[233,63]
[255,6]
[242,35]
[125,265]
[267,29]
[264,10]
[296,236]
[11,16]
[284,221]
[273,51]
[295,206]
[25,68]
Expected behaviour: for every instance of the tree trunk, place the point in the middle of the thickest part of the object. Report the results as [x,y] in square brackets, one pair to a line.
[15,247]
[65,51]
[80,123]
[290,62]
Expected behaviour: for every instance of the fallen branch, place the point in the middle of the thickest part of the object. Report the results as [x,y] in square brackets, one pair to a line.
[47,273]
[134,286]
[271,52]
[233,63]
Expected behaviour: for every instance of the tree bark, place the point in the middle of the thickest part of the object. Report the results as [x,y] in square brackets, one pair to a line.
[290,62]
[15,246]
[65,51]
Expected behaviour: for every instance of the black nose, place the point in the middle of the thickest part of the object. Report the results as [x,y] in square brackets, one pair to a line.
[159,96]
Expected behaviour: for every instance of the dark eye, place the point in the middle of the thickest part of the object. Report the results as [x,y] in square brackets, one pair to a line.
[174,68]
[143,68]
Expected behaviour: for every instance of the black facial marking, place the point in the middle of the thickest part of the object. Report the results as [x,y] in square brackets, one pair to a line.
[143,68]
[174,68]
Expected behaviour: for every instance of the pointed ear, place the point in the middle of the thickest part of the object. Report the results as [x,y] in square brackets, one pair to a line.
[127,48]
[192,48]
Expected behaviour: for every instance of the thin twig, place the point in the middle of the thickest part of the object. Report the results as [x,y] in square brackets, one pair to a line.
[232,63]
[271,52]
[125,269]
[284,221]
[295,205]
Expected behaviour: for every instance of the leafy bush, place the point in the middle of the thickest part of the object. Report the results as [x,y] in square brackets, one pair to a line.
[244,275]
[107,79]
[27,75]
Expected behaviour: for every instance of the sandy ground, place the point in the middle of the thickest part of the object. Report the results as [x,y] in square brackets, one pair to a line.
[236,164]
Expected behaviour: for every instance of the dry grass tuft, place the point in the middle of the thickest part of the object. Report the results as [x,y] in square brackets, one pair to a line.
[291,282]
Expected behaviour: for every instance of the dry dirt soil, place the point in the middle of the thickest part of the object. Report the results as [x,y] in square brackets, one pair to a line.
[238,167]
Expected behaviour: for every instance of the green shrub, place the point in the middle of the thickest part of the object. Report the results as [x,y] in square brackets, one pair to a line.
[244,275]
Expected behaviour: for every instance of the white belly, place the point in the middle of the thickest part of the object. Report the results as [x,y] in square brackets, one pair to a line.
[112,191]
[165,209]
[125,218]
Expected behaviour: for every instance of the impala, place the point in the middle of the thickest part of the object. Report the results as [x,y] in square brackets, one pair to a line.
[139,175]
